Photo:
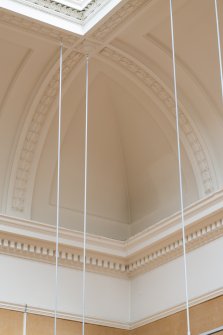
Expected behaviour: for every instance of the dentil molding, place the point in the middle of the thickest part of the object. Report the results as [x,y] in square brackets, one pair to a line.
[141,253]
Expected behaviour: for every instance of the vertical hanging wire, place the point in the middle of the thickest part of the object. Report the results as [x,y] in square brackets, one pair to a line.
[25,320]
[180,169]
[219,46]
[58,191]
[85,199]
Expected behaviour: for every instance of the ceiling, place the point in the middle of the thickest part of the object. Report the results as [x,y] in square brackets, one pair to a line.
[132,153]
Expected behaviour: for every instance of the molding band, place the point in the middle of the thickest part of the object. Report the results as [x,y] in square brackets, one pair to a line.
[40,29]
[176,309]
[114,324]
[122,259]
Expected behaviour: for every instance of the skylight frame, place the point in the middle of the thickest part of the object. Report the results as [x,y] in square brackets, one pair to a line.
[54,13]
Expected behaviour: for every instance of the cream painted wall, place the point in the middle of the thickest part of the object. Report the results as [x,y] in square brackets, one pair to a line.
[163,288]
[111,300]
[32,283]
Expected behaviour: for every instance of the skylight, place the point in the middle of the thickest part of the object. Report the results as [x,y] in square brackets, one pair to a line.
[76,4]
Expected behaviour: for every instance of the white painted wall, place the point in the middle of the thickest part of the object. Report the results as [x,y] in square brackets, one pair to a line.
[32,283]
[110,299]
[163,288]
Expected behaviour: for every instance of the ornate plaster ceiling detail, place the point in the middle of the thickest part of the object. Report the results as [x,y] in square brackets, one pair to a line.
[173,249]
[26,155]
[70,11]
[146,259]
[132,6]
[101,34]
[189,132]
[30,26]
[67,15]
[18,198]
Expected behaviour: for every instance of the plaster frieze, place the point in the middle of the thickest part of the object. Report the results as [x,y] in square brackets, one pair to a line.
[27,150]
[64,14]
[130,7]
[101,33]
[42,30]
[141,253]
[131,266]
[149,80]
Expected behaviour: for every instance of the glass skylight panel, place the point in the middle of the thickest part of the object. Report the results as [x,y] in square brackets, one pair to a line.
[76,4]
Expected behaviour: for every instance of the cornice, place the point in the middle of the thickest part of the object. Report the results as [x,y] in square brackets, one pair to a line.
[69,256]
[203,211]
[142,253]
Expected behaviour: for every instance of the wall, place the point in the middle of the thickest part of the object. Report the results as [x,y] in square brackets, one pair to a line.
[162,289]
[33,283]
[205,316]
[112,301]
[11,323]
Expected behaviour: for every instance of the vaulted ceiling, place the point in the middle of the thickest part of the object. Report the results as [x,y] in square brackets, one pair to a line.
[132,167]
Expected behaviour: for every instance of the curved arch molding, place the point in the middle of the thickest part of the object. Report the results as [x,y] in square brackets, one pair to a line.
[22,176]
[19,200]
[201,162]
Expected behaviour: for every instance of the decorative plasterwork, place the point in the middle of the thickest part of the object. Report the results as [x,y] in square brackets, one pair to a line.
[101,34]
[26,155]
[76,19]
[34,27]
[119,17]
[24,159]
[58,8]
[148,259]
[143,253]
[68,256]
[24,164]
[172,248]
[147,78]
